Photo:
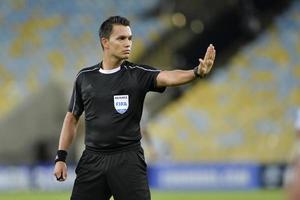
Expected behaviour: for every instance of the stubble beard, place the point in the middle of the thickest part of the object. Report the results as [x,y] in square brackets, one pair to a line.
[122,57]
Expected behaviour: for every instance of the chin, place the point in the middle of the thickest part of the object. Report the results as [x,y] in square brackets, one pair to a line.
[125,57]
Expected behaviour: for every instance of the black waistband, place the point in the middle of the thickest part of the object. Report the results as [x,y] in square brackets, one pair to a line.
[134,146]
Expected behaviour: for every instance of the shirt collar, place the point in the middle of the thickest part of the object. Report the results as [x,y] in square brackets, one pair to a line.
[108,71]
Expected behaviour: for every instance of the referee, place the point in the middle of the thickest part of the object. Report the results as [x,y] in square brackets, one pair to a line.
[112,93]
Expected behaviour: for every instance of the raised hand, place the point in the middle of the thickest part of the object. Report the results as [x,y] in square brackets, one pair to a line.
[206,64]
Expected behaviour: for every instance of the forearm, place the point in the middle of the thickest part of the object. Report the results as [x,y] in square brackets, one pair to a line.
[68,131]
[175,77]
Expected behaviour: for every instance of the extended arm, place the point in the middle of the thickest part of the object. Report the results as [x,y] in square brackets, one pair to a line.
[66,137]
[180,77]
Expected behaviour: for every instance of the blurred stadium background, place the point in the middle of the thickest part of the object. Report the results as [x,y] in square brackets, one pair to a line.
[231,131]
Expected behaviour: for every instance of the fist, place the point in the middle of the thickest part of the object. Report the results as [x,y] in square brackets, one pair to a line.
[60,171]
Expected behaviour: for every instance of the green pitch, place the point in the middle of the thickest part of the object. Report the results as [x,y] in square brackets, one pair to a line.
[157,195]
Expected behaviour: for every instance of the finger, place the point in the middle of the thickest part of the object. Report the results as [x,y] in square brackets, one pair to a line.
[64,174]
[211,53]
[210,67]
[201,61]
[59,177]
[210,48]
[202,69]
[209,63]
[56,174]
[214,54]
[208,51]
[210,57]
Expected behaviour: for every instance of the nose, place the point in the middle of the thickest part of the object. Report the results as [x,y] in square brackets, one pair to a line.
[128,43]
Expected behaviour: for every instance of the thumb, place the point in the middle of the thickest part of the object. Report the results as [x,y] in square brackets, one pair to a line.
[201,63]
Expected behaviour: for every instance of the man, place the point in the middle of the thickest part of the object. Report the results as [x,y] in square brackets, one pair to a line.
[112,94]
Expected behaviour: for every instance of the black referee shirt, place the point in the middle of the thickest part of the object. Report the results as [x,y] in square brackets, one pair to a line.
[113,103]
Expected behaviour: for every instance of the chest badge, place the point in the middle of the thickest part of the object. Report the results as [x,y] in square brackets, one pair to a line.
[121,103]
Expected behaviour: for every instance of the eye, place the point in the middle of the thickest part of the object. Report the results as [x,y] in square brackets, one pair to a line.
[121,38]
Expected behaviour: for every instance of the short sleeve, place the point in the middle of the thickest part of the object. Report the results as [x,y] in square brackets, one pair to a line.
[147,78]
[76,104]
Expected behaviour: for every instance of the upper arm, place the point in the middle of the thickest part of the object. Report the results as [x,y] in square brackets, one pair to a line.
[71,118]
[147,78]
[160,79]
[76,106]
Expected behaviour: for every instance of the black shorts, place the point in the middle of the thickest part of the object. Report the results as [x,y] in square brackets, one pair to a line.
[122,175]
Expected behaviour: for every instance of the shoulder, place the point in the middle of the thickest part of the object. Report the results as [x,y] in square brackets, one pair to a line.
[87,70]
[138,67]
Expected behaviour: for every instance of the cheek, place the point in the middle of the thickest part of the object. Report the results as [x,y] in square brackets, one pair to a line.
[116,45]
[113,47]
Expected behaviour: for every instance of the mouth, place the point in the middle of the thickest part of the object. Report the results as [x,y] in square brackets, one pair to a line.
[126,51]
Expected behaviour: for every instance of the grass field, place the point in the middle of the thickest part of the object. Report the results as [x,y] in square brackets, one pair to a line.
[157,195]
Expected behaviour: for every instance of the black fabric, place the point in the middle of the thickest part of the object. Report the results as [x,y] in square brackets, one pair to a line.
[61,155]
[122,175]
[101,96]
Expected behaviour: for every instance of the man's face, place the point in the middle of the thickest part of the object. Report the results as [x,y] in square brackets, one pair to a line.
[119,42]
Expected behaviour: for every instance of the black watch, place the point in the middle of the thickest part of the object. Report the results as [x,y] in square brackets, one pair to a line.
[196,72]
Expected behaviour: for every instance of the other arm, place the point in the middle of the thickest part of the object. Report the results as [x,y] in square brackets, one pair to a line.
[68,131]
[66,137]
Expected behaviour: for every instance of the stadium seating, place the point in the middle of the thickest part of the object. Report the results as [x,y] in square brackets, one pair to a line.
[246,111]
[45,40]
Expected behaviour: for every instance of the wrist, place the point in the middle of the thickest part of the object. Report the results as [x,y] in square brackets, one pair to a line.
[61,155]
[195,70]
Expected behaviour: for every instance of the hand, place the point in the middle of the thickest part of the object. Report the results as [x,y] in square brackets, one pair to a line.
[60,171]
[205,65]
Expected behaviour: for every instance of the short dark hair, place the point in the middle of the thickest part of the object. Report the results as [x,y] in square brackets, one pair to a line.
[107,26]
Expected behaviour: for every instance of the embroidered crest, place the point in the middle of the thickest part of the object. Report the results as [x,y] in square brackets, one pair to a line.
[121,103]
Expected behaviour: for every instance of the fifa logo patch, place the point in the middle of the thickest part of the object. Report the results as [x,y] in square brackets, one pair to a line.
[121,103]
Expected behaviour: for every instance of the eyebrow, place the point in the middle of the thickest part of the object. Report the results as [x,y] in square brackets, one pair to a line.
[124,36]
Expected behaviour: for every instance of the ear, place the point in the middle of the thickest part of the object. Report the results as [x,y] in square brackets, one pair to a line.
[104,41]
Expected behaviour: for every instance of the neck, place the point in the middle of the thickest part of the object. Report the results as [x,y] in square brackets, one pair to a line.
[110,62]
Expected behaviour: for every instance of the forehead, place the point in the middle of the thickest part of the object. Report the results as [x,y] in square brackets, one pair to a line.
[120,30]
